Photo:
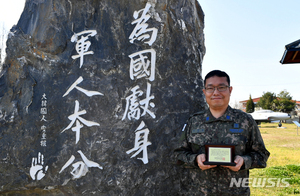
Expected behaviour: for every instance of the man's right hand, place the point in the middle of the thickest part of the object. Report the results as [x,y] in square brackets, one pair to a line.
[200,159]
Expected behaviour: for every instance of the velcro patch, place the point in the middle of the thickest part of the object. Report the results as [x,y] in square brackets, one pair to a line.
[198,131]
[236,125]
[236,130]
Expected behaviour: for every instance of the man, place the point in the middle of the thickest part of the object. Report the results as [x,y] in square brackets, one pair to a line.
[220,124]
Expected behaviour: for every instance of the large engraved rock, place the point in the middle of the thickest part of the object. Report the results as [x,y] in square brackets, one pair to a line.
[94,95]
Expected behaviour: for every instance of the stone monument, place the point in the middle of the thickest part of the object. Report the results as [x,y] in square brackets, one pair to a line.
[94,95]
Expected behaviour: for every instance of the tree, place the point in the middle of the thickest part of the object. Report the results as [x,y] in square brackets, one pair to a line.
[284,102]
[250,105]
[267,101]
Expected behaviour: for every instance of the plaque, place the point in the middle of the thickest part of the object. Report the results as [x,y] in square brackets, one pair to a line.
[219,155]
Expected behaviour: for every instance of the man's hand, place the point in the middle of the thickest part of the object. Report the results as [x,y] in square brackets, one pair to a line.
[239,162]
[200,159]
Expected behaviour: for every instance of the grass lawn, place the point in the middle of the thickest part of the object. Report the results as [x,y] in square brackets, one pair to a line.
[283,168]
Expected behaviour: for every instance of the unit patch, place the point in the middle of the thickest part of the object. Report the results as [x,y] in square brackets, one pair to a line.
[236,125]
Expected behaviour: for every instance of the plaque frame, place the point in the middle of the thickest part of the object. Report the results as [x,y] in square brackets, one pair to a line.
[230,149]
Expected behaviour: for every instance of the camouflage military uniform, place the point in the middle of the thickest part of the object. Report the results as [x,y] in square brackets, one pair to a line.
[233,128]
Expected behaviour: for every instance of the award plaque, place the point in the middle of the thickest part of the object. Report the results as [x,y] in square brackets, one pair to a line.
[219,155]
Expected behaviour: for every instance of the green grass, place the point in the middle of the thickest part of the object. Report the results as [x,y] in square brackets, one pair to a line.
[283,163]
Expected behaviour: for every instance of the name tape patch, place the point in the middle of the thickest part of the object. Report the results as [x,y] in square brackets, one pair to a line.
[236,130]
[198,131]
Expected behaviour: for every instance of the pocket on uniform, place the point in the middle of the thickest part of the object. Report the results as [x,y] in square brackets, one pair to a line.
[197,138]
[240,142]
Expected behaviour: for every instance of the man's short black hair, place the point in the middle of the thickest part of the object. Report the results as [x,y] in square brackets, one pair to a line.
[217,73]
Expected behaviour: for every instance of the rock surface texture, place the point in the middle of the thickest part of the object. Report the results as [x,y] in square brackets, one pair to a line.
[94,95]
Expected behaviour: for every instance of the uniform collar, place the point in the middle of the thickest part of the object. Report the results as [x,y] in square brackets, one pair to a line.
[227,116]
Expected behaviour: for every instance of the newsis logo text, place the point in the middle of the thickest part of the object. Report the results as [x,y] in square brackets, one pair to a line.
[259,182]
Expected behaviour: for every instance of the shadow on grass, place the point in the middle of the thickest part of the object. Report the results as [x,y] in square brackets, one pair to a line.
[271,127]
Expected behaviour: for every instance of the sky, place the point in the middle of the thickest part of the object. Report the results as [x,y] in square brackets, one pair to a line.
[246,39]
[10,11]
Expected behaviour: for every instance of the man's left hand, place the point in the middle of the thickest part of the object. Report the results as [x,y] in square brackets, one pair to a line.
[239,163]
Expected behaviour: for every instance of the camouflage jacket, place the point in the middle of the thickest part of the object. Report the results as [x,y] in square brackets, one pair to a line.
[233,128]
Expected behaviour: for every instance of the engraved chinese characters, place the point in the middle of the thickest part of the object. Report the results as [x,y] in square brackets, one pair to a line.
[140,31]
[119,77]
[38,168]
[82,45]
[142,66]
[80,168]
[138,104]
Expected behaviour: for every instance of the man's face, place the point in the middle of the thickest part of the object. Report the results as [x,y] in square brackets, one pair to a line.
[216,99]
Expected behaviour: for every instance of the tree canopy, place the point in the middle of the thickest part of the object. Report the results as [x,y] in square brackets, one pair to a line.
[282,102]
[266,101]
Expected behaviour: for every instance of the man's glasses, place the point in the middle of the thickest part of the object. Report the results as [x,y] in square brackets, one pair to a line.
[211,89]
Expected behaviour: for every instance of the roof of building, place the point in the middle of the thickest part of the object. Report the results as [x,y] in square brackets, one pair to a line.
[255,100]
[291,53]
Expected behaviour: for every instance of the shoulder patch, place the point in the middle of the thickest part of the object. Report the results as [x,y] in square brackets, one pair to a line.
[183,127]
[197,114]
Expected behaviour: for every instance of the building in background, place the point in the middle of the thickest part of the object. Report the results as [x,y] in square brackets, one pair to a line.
[291,53]
[255,100]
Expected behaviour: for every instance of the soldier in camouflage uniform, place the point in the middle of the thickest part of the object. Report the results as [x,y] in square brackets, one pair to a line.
[220,124]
